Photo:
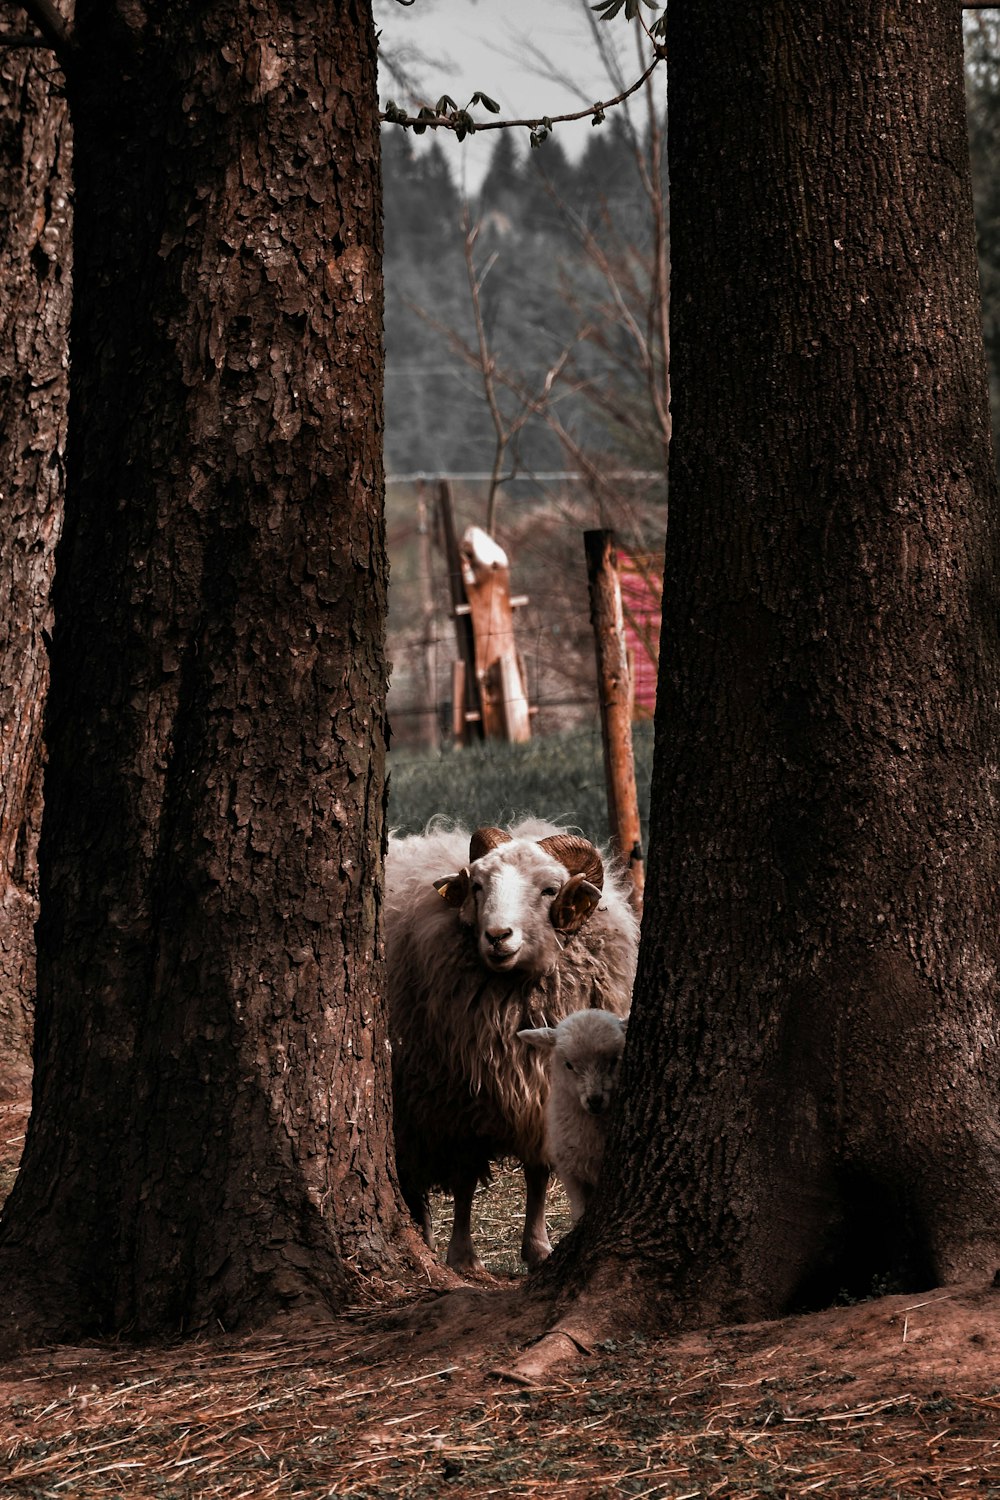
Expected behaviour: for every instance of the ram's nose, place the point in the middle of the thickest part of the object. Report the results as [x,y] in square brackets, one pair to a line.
[500,947]
[596,1103]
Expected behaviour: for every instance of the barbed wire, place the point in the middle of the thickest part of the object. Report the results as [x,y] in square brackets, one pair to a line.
[544,476]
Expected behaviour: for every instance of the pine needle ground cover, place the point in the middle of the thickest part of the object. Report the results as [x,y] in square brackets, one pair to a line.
[885,1399]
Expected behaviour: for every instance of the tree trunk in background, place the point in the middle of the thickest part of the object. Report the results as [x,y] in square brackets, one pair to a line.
[35,277]
[211,1128]
[982,55]
[812,1079]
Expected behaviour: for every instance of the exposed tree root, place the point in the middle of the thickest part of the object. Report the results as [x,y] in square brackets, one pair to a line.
[540,1360]
[613,1304]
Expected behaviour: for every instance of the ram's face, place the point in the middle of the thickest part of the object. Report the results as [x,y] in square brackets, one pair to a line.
[521,901]
[510,905]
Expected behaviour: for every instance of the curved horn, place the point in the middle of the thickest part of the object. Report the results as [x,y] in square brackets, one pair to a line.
[578,854]
[485,839]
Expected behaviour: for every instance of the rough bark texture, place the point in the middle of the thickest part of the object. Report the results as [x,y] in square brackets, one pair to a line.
[813,1071]
[211,1112]
[35,273]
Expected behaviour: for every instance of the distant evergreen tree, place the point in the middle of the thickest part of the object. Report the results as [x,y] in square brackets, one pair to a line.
[397,189]
[502,186]
[548,179]
[983,99]
[606,173]
[428,410]
[440,202]
[422,207]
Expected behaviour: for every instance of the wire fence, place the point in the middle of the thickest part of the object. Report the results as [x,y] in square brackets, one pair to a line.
[554,636]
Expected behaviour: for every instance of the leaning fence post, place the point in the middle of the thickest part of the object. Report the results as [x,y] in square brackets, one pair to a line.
[432,731]
[466,711]
[613,691]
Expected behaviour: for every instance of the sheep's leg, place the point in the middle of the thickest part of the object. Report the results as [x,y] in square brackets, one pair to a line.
[578,1192]
[535,1246]
[420,1211]
[461,1254]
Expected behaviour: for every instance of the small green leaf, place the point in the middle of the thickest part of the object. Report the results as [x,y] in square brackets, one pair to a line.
[444,104]
[611,8]
[484,99]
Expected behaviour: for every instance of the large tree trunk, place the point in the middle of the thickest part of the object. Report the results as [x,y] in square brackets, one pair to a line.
[812,1083]
[210,1137]
[35,266]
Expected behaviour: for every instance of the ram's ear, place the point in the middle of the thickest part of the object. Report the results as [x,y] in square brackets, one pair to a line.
[543,1037]
[453,888]
[574,904]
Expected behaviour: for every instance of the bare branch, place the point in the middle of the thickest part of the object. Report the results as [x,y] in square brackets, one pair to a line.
[487,363]
[55,32]
[462,123]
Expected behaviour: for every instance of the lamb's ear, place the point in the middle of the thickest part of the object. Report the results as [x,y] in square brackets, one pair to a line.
[574,904]
[543,1037]
[453,888]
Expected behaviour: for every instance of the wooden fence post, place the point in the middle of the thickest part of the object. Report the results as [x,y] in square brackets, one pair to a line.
[432,733]
[503,696]
[613,691]
[466,714]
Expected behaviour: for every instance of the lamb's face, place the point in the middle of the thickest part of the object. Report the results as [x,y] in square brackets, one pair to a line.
[585,1058]
[520,899]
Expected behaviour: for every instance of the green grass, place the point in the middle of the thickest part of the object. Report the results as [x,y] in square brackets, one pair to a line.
[560,777]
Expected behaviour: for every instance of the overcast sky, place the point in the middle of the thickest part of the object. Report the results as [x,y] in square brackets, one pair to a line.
[459,46]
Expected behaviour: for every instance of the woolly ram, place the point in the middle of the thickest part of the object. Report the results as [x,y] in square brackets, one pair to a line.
[486,936]
[584,1051]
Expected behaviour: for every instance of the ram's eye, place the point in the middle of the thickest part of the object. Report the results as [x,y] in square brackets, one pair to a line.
[551,891]
[569,1065]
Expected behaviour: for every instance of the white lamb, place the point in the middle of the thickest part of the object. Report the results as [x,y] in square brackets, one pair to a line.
[585,1050]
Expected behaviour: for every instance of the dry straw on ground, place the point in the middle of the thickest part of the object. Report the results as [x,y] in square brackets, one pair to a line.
[891,1398]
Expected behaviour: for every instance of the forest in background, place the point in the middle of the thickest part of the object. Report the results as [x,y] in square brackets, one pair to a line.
[560,249]
[564,252]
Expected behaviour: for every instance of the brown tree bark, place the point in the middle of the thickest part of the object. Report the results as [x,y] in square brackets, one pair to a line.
[35,277]
[811,1095]
[210,1134]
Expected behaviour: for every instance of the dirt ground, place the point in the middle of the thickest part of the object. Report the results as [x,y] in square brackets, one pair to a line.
[893,1397]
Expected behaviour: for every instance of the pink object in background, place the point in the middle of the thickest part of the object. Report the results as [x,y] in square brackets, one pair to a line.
[641,578]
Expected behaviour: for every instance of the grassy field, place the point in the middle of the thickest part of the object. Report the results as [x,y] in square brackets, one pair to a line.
[560,777]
